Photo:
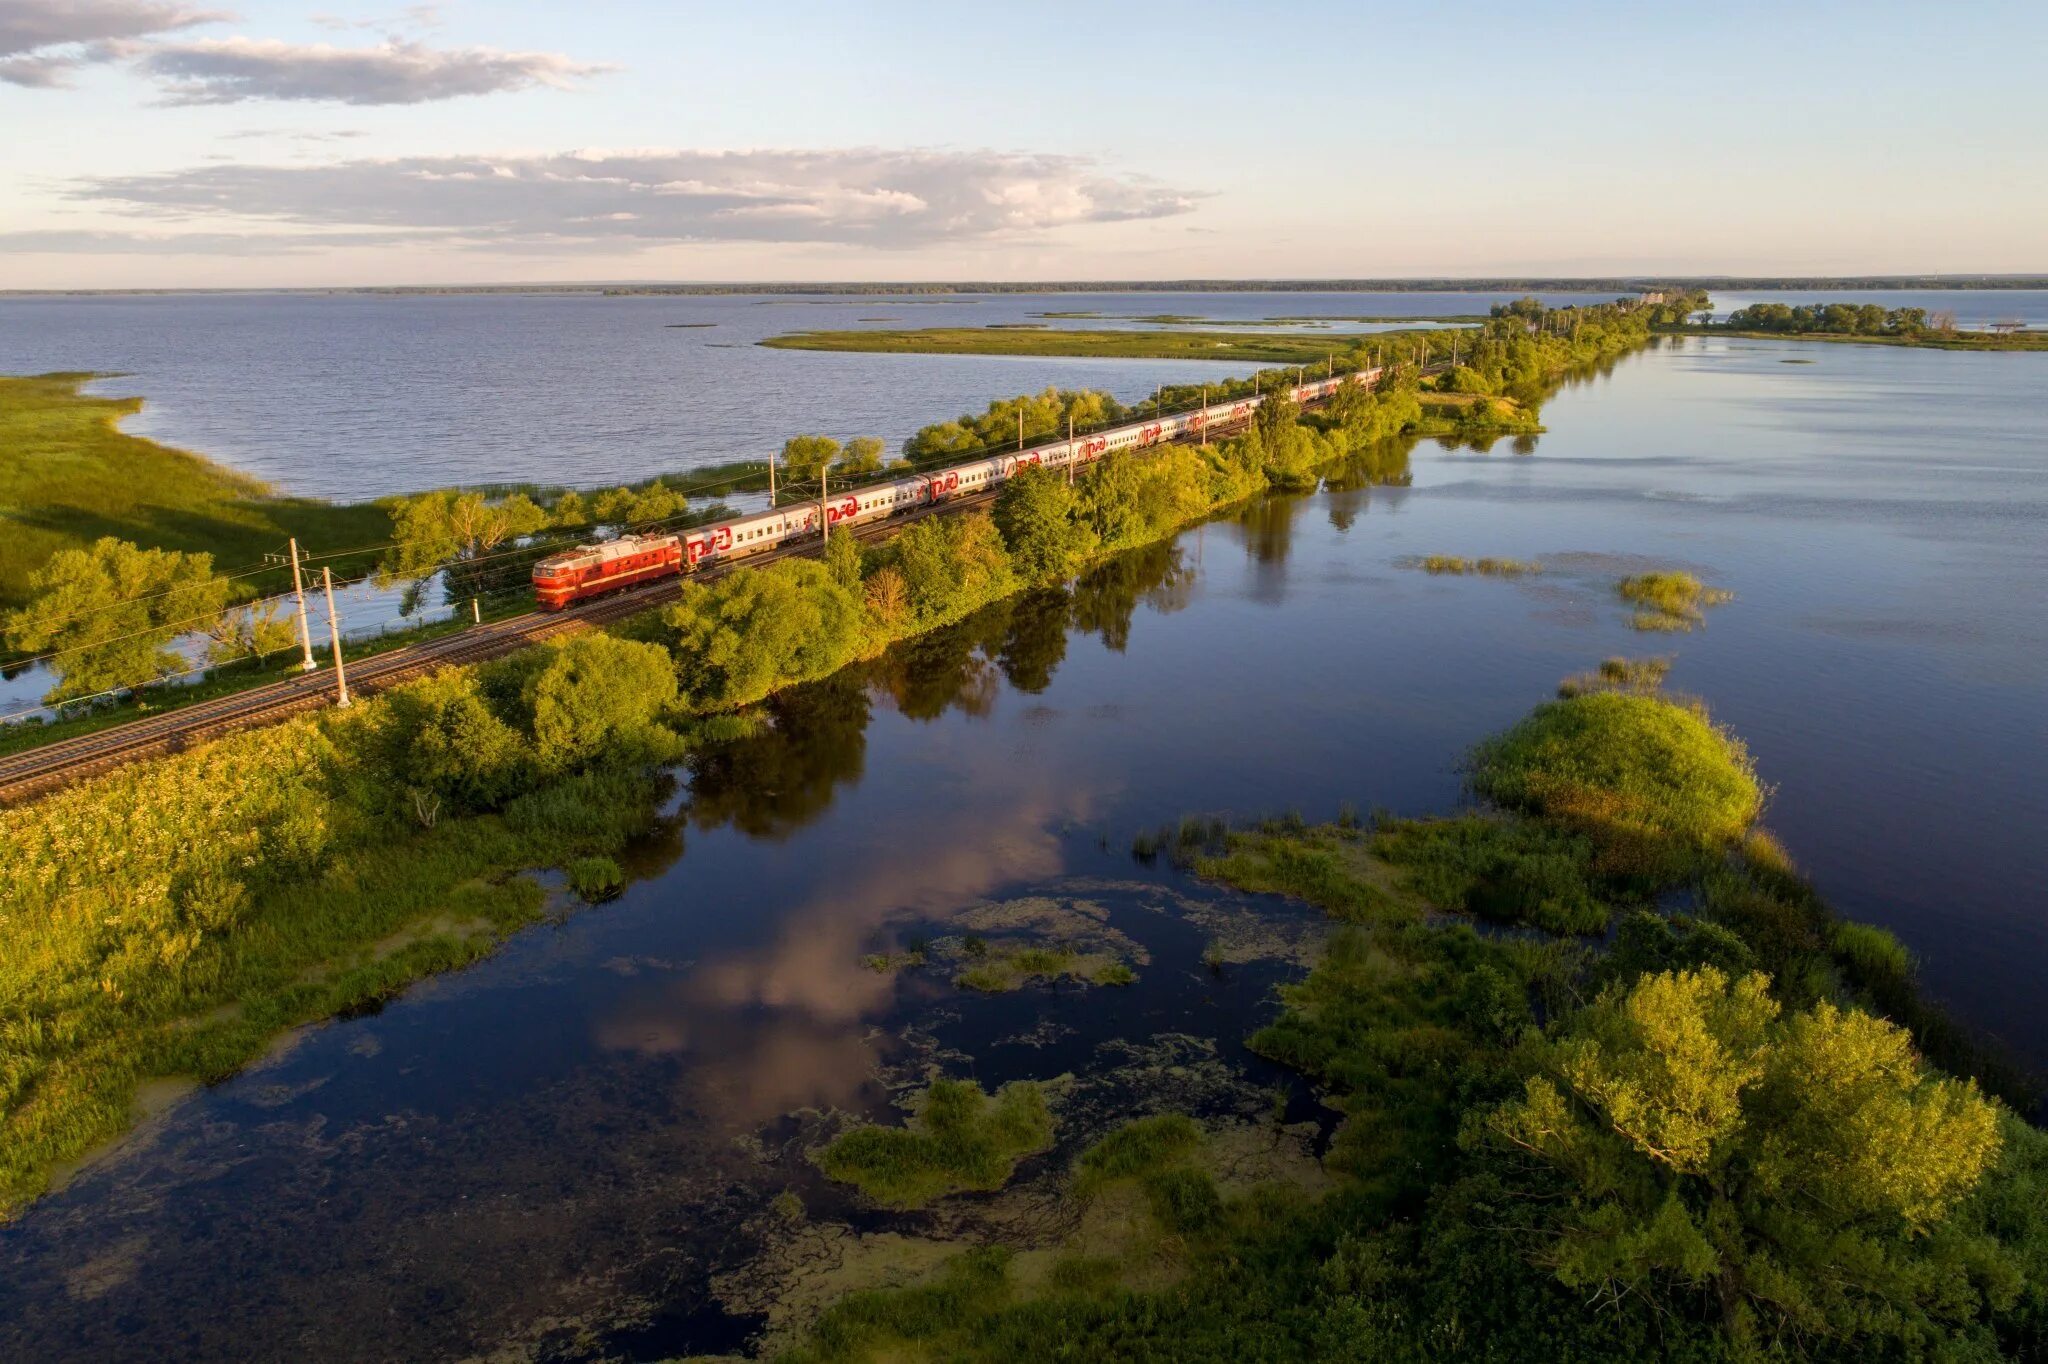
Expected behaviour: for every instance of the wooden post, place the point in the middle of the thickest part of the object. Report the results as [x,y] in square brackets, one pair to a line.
[771,478]
[306,663]
[334,638]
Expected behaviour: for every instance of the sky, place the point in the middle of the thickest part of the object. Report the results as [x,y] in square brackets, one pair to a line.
[238,143]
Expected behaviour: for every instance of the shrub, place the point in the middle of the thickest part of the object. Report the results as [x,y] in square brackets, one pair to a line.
[1653,785]
[600,696]
[748,634]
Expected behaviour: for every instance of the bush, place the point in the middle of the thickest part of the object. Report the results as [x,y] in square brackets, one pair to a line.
[1655,786]
[736,640]
[600,696]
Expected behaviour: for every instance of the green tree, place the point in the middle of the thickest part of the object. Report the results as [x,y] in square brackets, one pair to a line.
[249,632]
[109,613]
[601,696]
[951,565]
[804,458]
[569,510]
[863,456]
[1037,513]
[842,559]
[441,736]
[1794,1171]
[746,635]
[434,530]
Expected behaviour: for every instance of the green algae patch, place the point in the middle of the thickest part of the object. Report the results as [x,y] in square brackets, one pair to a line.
[958,1138]
[1005,945]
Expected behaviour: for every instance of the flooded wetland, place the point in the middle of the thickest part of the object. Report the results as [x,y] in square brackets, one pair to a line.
[602,1142]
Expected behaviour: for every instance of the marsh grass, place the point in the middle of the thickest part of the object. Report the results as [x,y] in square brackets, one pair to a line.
[1451,564]
[1639,675]
[999,969]
[171,919]
[958,1138]
[596,878]
[1670,601]
[1330,867]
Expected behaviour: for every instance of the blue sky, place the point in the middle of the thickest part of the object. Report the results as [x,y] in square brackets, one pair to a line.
[167,143]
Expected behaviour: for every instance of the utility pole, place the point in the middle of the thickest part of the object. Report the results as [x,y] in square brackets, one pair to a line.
[1070,449]
[1205,416]
[476,612]
[306,664]
[771,478]
[824,508]
[334,638]
[1020,426]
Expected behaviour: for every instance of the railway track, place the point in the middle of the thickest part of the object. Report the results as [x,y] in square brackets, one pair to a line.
[38,771]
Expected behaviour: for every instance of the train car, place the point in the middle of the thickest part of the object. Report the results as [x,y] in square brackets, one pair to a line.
[590,570]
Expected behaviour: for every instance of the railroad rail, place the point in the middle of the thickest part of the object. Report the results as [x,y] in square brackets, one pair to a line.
[38,771]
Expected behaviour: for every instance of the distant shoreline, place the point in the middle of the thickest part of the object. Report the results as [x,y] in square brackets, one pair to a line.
[1502,284]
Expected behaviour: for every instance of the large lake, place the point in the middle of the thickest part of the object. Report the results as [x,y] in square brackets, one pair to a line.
[354,396]
[557,1152]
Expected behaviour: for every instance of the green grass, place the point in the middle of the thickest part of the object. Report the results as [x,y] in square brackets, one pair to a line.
[1669,601]
[170,919]
[1137,1148]
[1643,675]
[70,475]
[1438,564]
[1965,341]
[1061,342]
[1645,779]
[958,1138]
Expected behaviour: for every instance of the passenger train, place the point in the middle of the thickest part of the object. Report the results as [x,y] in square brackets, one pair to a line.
[574,575]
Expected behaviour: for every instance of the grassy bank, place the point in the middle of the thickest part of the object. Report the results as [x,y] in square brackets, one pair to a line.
[1684,1139]
[71,475]
[1964,341]
[1071,344]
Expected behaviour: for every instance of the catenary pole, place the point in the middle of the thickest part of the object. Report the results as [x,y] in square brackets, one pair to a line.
[306,663]
[334,638]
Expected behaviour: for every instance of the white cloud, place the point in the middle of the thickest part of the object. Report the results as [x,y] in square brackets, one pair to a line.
[86,242]
[43,41]
[228,70]
[646,197]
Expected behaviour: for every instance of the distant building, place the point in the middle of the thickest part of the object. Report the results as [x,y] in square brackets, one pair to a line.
[1650,298]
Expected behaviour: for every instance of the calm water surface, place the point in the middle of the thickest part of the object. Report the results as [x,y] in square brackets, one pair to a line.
[355,396]
[554,1152]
